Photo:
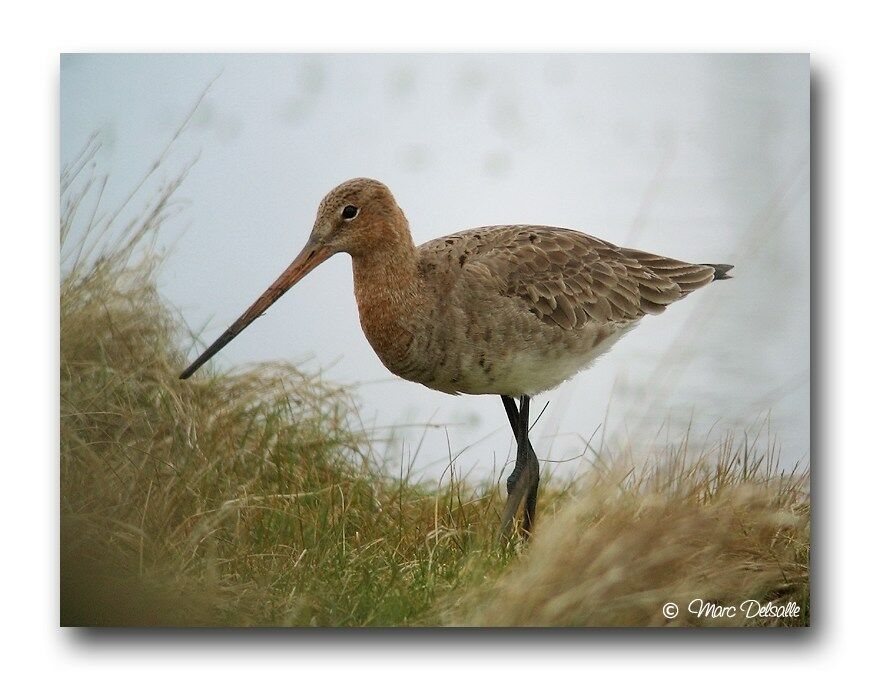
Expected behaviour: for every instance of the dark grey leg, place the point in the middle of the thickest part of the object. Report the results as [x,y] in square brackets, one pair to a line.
[510,407]
[523,481]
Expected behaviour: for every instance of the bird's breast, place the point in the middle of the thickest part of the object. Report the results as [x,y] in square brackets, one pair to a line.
[390,336]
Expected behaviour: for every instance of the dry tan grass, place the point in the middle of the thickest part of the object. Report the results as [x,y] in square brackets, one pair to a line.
[629,543]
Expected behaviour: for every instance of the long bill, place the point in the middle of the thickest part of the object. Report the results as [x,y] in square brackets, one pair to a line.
[311,256]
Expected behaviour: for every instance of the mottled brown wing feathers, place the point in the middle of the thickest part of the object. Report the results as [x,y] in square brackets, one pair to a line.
[567,277]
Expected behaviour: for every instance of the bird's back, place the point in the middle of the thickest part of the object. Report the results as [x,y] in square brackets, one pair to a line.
[566,277]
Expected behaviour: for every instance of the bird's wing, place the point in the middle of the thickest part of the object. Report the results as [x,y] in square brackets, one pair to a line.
[565,277]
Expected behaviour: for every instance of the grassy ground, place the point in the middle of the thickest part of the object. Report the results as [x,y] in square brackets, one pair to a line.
[254,498]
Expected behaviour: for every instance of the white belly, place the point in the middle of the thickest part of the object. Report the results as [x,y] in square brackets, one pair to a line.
[528,371]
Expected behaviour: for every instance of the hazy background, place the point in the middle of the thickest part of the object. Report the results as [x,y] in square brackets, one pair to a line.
[700,157]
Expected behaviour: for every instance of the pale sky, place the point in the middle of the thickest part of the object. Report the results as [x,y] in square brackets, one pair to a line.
[700,157]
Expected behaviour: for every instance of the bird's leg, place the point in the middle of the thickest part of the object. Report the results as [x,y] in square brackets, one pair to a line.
[510,407]
[532,466]
[534,469]
[523,481]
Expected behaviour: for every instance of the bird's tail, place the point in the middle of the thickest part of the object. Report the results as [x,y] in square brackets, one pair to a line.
[720,271]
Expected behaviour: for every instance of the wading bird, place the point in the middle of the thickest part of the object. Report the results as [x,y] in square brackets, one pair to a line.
[505,310]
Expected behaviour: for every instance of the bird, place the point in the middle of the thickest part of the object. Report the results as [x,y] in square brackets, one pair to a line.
[509,310]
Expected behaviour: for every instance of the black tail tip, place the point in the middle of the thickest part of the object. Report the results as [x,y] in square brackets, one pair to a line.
[720,271]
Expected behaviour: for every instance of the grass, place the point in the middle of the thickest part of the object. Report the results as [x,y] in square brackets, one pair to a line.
[256,499]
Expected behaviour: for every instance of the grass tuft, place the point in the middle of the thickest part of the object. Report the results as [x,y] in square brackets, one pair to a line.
[628,543]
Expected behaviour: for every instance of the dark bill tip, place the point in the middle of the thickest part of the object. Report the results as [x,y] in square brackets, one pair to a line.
[308,259]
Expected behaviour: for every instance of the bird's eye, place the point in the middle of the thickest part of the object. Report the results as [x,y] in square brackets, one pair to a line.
[349,212]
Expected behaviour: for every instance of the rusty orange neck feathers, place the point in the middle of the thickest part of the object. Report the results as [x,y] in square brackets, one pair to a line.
[389,292]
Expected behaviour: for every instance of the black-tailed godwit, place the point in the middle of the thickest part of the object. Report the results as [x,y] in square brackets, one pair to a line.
[506,310]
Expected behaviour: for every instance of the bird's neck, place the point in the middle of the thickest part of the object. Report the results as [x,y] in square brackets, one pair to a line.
[390,295]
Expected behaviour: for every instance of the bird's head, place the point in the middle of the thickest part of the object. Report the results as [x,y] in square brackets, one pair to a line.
[358,217]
